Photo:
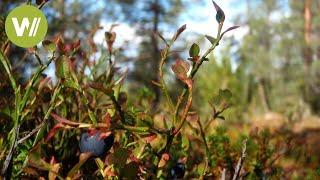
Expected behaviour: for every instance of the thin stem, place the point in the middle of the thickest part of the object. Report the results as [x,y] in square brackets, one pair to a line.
[195,69]
[7,67]
[118,107]
[32,82]
[185,112]
[164,88]
[203,136]
[11,151]
[41,127]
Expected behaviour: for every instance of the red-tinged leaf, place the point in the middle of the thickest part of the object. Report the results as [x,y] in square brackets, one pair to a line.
[64,121]
[110,38]
[108,119]
[76,45]
[60,44]
[150,138]
[108,172]
[53,131]
[52,160]
[229,29]
[193,116]
[134,159]
[54,169]
[105,135]
[164,159]
[179,31]
[189,83]
[92,131]
[180,68]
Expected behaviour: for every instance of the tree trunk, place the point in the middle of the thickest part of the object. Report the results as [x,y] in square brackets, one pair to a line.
[318,32]
[307,51]
[263,95]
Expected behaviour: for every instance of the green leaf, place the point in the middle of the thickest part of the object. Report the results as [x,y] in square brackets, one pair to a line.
[71,84]
[99,163]
[63,67]
[217,99]
[49,45]
[92,117]
[211,39]
[194,50]
[225,93]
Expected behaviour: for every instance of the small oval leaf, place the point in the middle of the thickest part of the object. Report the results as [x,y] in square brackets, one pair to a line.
[49,45]
[194,50]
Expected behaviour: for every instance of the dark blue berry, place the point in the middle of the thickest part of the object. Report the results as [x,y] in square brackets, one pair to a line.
[95,144]
[177,171]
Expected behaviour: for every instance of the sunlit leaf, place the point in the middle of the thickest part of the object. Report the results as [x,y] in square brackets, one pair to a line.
[53,131]
[164,159]
[63,67]
[194,50]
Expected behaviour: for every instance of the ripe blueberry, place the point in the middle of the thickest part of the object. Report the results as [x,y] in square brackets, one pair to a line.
[177,171]
[95,144]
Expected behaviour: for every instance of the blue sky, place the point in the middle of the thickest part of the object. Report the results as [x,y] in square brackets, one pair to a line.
[200,19]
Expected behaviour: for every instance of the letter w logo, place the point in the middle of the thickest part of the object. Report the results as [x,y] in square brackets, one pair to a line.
[25,25]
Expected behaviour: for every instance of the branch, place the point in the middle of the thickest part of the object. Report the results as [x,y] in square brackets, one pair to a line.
[8,160]
[195,69]
[164,54]
[205,142]
[185,112]
[241,160]
[118,107]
